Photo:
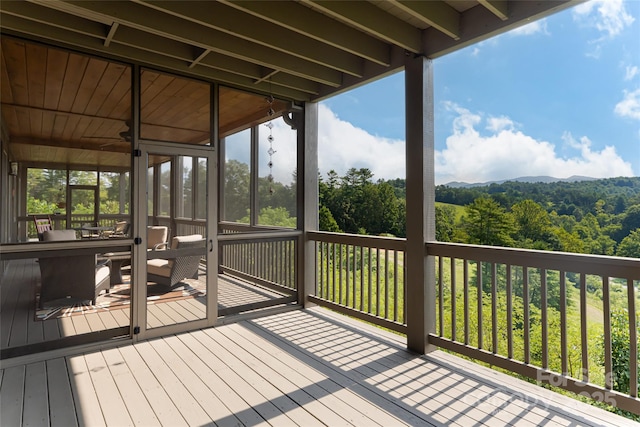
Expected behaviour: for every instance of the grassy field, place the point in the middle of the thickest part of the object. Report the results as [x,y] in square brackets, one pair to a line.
[459,210]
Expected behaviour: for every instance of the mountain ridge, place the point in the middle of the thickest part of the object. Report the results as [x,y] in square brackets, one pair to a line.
[530,179]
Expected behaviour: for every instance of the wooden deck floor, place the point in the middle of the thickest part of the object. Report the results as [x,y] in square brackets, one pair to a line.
[19,326]
[301,368]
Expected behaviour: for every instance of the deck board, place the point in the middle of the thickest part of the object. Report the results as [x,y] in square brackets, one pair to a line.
[12,396]
[35,395]
[59,390]
[299,368]
[189,409]
[160,401]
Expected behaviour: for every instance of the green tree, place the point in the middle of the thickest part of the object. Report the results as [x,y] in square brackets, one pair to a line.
[278,217]
[487,223]
[327,221]
[533,224]
[620,350]
[236,190]
[445,218]
[630,245]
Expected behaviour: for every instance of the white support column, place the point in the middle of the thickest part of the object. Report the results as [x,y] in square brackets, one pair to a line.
[420,271]
[308,199]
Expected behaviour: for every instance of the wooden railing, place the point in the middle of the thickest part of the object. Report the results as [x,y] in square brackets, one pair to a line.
[562,319]
[269,258]
[557,318]
[361,276]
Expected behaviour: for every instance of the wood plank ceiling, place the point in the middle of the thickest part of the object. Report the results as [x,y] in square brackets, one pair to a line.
[305,50]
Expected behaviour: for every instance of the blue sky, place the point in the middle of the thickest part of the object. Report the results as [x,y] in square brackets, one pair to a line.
[558,97]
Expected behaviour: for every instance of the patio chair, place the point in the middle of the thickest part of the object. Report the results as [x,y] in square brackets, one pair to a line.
[157,237]
[121,229]
[71,277]
[176,268]
[42,225]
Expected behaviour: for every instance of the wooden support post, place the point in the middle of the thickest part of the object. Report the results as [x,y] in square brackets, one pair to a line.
[420,202]
[307,175]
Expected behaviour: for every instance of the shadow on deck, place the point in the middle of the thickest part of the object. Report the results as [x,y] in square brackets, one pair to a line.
[305,367]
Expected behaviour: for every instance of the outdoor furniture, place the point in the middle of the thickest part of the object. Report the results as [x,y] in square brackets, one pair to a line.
[181,261]
[117,261]
[121,229]
[157,236]
[42,225]
[76,277]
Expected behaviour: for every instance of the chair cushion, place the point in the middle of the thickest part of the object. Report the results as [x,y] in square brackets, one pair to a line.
[175,242]
[102,273]
[156,234]
[159,267]
[55,235]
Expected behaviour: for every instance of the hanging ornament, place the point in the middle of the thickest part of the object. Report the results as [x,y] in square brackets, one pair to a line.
[270,138]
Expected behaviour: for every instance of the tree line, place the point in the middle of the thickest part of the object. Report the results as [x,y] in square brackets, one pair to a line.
[594,217]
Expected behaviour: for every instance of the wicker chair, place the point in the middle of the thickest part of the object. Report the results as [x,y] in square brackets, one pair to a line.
[78,277]
[174,267]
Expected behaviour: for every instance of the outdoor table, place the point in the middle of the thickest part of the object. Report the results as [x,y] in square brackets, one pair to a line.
[117,261]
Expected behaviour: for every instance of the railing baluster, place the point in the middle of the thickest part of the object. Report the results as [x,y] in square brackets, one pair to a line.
[348,284]
[525,307]
[370,295]
[362,290]
[340,273]
[633,340]
[494,307]
[333,272]
[465,273]
[563,323]
[606,308]
[544,318]
[479,295]
[395,285]
[327,262]
[440,296]
[354,272]
[377,281]
[583,326]
[452,260]
[509,313]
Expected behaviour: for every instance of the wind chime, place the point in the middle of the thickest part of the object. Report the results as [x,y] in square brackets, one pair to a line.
[270,138]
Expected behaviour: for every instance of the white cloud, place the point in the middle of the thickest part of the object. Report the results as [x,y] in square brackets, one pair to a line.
[630,72]
[508,153]
[536,27]
[341,146]
[630,105]
[609,17]
[497,124]
[501,151]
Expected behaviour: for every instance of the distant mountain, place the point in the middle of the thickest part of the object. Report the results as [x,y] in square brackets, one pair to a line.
[531,179]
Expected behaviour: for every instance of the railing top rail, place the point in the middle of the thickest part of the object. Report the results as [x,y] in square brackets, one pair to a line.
[602,265]
[264,236]
[381,242]
[236,226]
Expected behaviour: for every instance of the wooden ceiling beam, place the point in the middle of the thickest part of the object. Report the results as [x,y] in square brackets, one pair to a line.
[263,33]
[303,20]
[112,146]
[437,14]
[139,39]
[480,23]
[371,20]
[156,22]
[500,8]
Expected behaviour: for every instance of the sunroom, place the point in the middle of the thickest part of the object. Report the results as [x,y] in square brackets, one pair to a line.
[141,134]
